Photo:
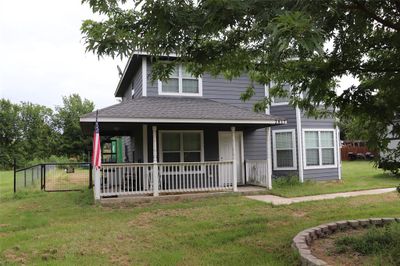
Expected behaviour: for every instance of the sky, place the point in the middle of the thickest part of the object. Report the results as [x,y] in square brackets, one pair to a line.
[42,55]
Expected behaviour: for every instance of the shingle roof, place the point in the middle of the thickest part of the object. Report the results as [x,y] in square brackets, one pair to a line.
[178,108]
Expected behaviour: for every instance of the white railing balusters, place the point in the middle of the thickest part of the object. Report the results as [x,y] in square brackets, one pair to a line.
[256,172]
[137,178]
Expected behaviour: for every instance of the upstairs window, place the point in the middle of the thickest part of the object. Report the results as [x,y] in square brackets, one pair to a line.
[320,149]
[282,100]
[181,82]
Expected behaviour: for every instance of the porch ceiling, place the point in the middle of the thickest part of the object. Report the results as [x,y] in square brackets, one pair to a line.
[178,110]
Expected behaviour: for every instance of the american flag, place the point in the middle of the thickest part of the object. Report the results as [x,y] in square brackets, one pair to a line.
[96,155]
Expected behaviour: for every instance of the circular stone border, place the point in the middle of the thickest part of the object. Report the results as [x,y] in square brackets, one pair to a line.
[303,240]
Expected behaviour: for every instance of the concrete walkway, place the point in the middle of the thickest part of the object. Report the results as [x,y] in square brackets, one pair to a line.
[276,200]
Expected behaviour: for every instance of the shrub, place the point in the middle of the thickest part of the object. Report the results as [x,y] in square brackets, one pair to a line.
[291,180]
[391,162]
[383,243]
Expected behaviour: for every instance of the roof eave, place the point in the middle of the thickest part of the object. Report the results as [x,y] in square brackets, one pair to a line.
[183,121]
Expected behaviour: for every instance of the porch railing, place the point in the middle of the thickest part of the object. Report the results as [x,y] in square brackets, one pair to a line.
[126,179]
[256,172]
[137,178]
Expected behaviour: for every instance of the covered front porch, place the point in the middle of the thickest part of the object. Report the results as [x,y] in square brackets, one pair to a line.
[185,155]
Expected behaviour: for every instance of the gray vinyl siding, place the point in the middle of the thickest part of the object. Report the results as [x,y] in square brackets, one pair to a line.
[321,174]
[229,91]
[127,95]
[286,111]
[137,83]
[152,86]
[311,122]
[255,144]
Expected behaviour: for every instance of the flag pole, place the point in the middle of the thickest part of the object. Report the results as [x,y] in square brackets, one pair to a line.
[96,170]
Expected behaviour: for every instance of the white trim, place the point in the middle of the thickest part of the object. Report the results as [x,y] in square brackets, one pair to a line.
[242,154]
[277,104]
[181,151]
[155,166]
[266,94]
[144,76]
[234,165]
[178,121]
[269,157]
[339,159]
[320,166]
[299,144]
[180,88]
[273,103]
[294,150]
[145,145]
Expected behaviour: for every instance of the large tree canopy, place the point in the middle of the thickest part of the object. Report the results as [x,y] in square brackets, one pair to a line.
[308,44]
[32,132]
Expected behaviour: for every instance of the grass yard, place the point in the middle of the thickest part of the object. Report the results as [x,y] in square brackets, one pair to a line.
[356,175]
[67,229]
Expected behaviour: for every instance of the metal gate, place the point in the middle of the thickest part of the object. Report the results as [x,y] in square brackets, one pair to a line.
[53,177]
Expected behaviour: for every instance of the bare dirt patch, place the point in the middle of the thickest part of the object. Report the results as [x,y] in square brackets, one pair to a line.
[15,256]
[324,248]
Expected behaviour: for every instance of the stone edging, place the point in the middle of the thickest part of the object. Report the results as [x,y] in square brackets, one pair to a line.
[303,240]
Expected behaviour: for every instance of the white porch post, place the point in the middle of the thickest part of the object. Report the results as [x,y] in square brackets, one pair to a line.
[234,159]
[269,157]
[145,148]
[155,165]
[96,176]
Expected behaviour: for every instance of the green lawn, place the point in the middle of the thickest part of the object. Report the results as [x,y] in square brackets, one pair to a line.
[67,229]
[356,175]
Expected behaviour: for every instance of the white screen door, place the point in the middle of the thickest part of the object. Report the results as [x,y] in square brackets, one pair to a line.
[225,150]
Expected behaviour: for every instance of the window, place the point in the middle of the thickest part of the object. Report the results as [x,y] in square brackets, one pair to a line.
[181,146]
[284,149]
[282,100]
[109,151]
[181,82]
[319,148]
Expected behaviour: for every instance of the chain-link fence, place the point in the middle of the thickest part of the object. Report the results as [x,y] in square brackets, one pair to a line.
[28,178]
[53,177]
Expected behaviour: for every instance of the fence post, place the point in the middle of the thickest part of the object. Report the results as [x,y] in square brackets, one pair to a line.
[44,177]
[25,178]
[90,176]
[15,175]
[41,176]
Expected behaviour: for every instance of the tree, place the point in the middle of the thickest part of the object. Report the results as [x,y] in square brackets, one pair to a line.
[10,134]
[37,132]
[307,44]
[72,141]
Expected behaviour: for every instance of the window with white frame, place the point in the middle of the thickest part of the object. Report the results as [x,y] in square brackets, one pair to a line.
[181,82]
[284,99]
[181,146]
[284,145]
[319,148]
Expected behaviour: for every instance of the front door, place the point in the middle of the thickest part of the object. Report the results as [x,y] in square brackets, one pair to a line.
[225,150]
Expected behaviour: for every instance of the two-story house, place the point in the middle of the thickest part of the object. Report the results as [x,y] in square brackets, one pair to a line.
[195,134]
